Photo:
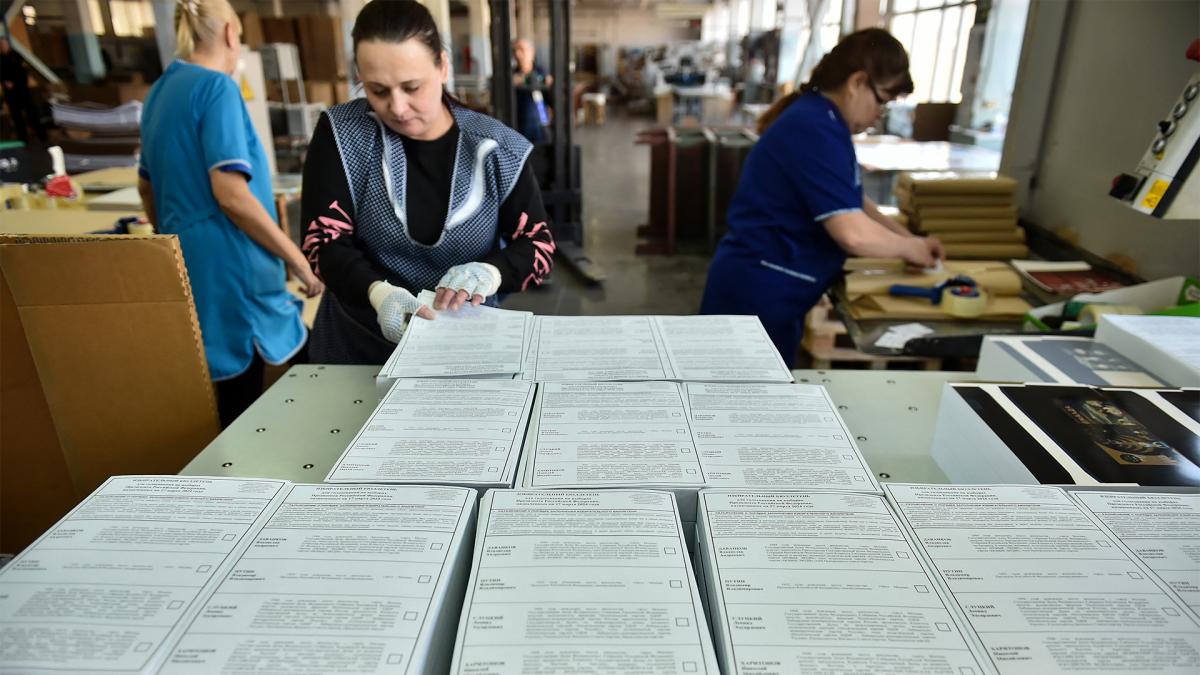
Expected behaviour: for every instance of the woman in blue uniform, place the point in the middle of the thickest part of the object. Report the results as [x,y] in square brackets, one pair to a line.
[406,190]
[799,209]
[204,176]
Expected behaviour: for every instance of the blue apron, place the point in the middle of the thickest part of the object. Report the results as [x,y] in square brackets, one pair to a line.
[195,121]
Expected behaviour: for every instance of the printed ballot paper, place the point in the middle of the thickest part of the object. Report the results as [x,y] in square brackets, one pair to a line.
[441,431]
[571,582]
[169,574]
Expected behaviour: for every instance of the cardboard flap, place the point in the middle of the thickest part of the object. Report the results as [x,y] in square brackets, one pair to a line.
[877,276]
[891,307]
[102,353]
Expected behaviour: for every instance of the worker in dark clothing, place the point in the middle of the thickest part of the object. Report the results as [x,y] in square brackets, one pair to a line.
[16,93]
[529,80]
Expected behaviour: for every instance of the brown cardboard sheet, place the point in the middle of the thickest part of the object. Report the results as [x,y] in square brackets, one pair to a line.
[1013,236]
[935,225]
[102,371]
[999,308]
[956,182]
[875,276]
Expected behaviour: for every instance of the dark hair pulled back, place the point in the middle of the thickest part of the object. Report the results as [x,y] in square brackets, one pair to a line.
[871,50]
[397,21]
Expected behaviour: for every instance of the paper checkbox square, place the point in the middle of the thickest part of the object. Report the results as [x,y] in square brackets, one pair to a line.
[395,659]
[669,550]
[859,479]
[1170,611]
[921,588]
[966,670]
[493,469]
[676,583]
[424,579]
[410,616]
[682,622]
[436,546]
[204,568]
[848,458]
[143,646]
[689,666]
[175,604]
[942,627]
[902,555]
[1136,575]
[1103,543]
[685,451]
[229,537]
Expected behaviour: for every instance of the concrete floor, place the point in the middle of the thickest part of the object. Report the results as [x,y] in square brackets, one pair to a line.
[616,198]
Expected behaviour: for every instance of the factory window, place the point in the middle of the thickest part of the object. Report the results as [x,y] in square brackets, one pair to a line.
[131,18]
[935,33]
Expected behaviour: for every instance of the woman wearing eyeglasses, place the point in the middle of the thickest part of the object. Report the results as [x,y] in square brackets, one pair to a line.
[799,208]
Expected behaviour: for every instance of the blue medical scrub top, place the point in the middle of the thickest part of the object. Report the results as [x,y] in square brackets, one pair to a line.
[194,120]
[777,259]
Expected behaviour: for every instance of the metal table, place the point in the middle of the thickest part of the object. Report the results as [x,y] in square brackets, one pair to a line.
[296,429]
[301,425]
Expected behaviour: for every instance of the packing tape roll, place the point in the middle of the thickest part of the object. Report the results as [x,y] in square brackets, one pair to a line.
[1090,314]
[966,305]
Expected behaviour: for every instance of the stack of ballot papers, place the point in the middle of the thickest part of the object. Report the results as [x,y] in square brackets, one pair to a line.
[1068,435]
[581,582]
[172,574]
[951,579]
[442,431]
[489,342]
[684,437]
[124,119]
[973,214]
[868,281]
[1169,346]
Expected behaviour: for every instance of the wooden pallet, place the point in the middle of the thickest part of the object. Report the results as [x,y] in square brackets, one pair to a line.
[821,343]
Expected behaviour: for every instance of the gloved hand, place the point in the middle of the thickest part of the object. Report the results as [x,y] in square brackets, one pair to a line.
[474,281]
[393,305]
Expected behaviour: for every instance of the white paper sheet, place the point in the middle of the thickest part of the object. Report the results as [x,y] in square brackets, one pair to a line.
[570,582]
[341,579]
[598,348]
[112,584]
[612,434]
[720,349]
[1045,588]
[774,435]
[822,582]
[469,342]
[1162,529]
[442,431]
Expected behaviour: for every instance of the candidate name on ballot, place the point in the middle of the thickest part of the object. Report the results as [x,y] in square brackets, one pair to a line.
[341,579]
[1162,529]
[569,582]
[823,582]
[109,587]
[442,431]
[720,349]
[472,341]
[774,435]
[1045,588]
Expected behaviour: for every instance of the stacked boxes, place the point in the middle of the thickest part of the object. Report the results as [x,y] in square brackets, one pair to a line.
[973,214]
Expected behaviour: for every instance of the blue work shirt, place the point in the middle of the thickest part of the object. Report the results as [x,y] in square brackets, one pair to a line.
[194,121]
[777,258]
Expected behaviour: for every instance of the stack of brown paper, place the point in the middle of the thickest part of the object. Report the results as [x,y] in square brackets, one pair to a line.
[868,280]
[973,214]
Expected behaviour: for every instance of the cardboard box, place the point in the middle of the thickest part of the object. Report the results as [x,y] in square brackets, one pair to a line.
[341,92]
[102,371]
[252,30]
[280,30]
[321,48]
[319,91]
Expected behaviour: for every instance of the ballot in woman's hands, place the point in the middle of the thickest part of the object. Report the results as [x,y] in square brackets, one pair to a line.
[393,307]
[473,282]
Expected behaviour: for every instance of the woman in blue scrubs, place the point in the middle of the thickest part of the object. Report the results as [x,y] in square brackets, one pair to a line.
[799,208]
[204,177]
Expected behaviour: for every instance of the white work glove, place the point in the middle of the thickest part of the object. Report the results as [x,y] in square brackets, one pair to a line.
[393,305]
[474,281]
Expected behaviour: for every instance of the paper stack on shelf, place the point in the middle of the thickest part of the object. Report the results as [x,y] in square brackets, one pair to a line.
[443,432]
[1168,346]
[125,119]
[973,214]
[581,582]
[174,574]
[1068,435]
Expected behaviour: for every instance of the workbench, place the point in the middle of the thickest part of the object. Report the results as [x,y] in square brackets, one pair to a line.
[299,427]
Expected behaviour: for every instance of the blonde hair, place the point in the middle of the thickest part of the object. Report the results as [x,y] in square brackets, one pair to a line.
[198,22]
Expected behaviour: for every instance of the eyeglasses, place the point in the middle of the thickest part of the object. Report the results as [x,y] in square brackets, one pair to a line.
[883,102]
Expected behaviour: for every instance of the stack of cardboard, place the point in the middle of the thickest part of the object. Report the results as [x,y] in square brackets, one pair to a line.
[973,214]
